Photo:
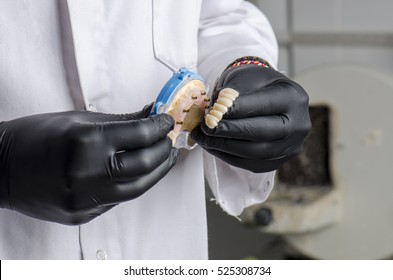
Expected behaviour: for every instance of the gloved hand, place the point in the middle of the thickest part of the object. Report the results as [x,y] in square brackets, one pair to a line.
[71,167]
[266,124]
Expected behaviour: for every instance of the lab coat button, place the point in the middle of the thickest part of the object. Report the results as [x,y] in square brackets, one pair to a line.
[92,108]
[101,255]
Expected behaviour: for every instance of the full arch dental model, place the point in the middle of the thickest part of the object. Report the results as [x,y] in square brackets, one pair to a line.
[224,101]
[184,97]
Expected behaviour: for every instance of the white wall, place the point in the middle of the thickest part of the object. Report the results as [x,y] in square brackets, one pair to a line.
[315,32]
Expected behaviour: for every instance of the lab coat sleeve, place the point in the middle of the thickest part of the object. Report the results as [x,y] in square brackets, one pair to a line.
[228,30]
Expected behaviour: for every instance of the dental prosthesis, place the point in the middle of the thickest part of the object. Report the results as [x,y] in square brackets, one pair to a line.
[227,95]
[224,101]
[185,98]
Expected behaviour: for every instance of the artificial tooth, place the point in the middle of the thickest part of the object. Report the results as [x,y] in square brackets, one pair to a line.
[211,121]
[225,101]
[216,114]
[214,118]
[227,95]
[220,108]
[230,91]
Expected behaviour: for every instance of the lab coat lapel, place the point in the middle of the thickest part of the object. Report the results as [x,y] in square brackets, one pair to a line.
[175,25]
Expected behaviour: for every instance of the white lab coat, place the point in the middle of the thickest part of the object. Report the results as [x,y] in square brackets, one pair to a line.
[114,56]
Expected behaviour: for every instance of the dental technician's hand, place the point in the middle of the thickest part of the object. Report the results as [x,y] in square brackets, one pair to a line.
[71,167]
[266,124]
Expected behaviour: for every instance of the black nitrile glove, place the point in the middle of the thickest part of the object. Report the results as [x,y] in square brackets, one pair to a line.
[71,167]
[266,124]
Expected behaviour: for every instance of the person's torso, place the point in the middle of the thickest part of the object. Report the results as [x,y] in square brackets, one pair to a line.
[110,56]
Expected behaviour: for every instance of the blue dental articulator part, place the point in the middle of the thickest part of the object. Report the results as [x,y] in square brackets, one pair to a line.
[184,98]
[171,87]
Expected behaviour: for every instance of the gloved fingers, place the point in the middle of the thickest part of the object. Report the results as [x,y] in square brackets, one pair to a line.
[242,148]
[106,117]
[263,128]
[250,77]
[129,165]
[133,134]
[271,100]
[144,113]
[256,166]
[130,190]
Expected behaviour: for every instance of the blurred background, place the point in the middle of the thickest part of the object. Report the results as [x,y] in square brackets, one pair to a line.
[335,200]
